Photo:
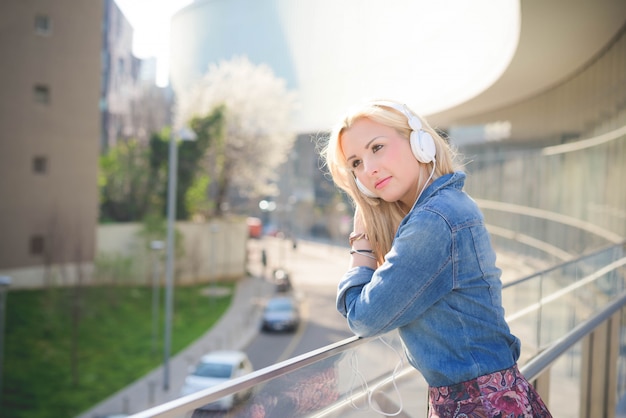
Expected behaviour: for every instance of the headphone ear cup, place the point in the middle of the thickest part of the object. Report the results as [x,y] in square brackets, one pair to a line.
[367,192]
[422,143]
[423,146]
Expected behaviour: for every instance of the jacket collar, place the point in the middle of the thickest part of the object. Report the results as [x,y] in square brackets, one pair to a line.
[455,180]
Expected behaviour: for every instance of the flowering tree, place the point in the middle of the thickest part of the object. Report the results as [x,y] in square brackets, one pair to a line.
[257,132]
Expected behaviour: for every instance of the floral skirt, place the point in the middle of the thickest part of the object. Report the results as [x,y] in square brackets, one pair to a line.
[503,394]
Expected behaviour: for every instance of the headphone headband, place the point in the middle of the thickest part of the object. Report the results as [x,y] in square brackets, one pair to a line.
[414,122]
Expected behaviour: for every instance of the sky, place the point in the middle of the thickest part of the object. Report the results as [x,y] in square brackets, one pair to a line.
[150,20]
[456,48]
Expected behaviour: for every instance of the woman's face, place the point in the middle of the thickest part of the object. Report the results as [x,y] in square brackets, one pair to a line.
[382,160]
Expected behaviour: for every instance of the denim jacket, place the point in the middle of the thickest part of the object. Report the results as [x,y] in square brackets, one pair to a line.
[440,287]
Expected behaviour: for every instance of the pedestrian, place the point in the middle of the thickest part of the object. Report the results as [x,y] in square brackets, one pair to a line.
[264,260]
[422,262]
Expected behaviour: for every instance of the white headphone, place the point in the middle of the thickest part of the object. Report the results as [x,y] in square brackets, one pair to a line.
[422,143]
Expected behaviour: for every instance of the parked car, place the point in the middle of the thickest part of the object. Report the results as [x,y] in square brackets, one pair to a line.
[255,227]
[281,280]
[215,368]
[281,314]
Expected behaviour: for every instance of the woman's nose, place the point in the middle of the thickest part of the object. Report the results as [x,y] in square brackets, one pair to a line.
[369,167]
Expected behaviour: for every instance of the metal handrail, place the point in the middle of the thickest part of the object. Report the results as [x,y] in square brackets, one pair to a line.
[568,289]
[579,224]
[203,397]
[561,265]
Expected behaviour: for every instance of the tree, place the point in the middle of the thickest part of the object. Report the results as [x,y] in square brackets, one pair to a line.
[133,175]
[125,181]
[209,130]
[257,132]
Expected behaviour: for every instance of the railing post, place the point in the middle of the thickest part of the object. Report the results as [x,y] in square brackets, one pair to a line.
[542,386]
[598,372]
[540,310]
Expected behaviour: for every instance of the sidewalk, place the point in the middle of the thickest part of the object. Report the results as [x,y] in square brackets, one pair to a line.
[234,330]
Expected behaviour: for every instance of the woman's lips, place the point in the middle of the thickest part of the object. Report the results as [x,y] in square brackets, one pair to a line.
[382,183]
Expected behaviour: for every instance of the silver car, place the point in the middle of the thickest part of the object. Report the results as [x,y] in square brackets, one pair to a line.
[215,368]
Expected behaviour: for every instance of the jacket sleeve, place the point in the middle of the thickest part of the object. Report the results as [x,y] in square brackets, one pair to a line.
[417,273]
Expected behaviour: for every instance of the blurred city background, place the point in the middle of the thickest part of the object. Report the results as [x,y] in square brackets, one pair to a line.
[160,178]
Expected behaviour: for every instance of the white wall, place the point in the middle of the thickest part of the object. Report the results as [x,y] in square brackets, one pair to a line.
[212,251]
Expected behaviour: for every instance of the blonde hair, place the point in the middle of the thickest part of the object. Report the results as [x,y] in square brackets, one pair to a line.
[381,218]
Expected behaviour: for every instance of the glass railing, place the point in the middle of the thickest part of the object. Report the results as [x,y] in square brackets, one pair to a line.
[371,377]
[583,373]
[543,306]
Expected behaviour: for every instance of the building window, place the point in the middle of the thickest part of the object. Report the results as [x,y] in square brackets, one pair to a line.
[121,66]
[37,245]
[42,93]
[40,165]
[43,25]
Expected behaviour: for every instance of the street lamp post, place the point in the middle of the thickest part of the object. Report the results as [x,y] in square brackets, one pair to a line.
[5,281]
[156,246]
[214,228]
[184,134]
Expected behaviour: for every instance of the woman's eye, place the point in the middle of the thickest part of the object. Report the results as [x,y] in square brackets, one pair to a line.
[356,163]
[376,147]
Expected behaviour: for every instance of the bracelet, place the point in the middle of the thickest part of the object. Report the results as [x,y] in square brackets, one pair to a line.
[365,253]
[355,236]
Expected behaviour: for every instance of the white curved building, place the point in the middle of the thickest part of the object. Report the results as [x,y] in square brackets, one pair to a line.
[334,54]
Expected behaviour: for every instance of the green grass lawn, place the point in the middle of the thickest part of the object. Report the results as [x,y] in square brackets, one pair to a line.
[67,349]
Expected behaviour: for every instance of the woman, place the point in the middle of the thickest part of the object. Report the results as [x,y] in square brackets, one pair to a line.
[422,262]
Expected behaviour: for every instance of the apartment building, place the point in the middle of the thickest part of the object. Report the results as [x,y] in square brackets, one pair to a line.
[50,79]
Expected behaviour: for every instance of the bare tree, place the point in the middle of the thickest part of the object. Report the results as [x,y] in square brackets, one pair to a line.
[64,252]
[77,313]
[149,112]
[258,126]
